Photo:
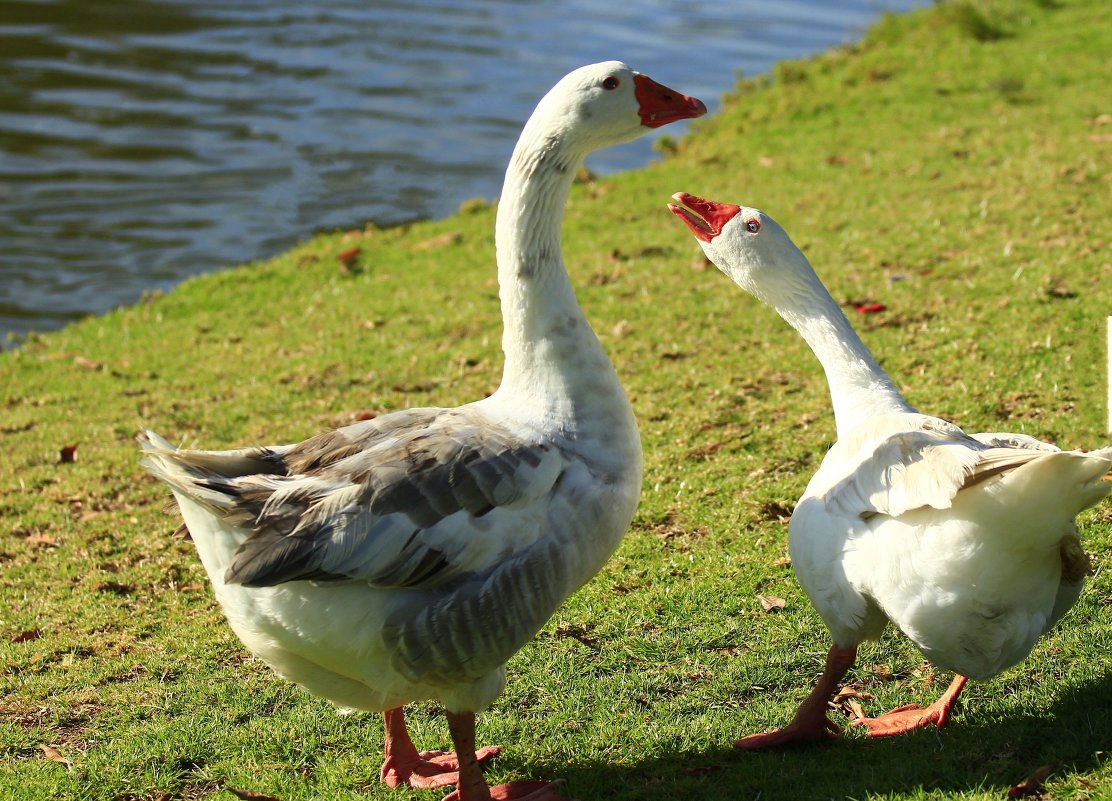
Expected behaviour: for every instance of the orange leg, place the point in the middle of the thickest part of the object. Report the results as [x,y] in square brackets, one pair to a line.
[810,722]
[405,765]
[472,787]
[912,717]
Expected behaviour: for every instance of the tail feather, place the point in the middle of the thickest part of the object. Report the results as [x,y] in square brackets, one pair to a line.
[207,476]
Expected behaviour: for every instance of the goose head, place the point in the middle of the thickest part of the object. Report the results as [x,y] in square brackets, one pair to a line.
[750,247]
[607,104]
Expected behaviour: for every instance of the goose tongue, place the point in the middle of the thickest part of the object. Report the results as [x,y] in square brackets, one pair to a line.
[708,218]
[660,105]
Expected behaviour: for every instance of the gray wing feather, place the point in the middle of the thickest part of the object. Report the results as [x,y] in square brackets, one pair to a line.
[401,500]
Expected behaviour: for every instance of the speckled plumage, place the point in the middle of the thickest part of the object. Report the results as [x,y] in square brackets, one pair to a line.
[408,557]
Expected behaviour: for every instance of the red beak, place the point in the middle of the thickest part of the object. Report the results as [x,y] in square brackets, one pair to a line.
[708,218]
[660,105]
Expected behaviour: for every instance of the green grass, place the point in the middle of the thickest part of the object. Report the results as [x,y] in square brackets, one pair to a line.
[953,165]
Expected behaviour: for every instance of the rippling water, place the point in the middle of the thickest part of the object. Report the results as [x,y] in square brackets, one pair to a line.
[143,141]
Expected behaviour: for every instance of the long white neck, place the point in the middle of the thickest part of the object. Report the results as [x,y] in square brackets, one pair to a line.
[859,388]
[556,370]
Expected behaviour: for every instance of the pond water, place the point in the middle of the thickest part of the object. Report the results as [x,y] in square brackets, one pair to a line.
[143,141]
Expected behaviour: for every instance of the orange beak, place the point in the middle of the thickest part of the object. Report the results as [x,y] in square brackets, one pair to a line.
[660,105]
[706,217]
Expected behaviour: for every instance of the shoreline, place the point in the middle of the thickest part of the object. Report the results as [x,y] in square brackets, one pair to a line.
[952,168]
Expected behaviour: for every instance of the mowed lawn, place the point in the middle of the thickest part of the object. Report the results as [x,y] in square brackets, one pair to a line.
[954,167]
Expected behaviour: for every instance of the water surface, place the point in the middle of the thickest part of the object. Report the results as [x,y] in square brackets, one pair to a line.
[143,141]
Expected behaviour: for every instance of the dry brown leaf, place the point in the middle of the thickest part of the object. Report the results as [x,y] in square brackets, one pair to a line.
[87,364]
[450,238]
[770,602]
[251,795]
[856,711]
[27,636]
[52,754]
[846,691]
[67,454]
[38,538]
[1032,786]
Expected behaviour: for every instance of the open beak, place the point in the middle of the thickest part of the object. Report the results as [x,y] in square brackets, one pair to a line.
[705,218]
[660,105]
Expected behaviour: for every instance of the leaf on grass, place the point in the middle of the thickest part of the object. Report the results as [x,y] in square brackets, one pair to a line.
[251,795]
[347,259]
[27,636]
[845,700]
[846,691]
[883,672]
[1032,786]
[444,240]
[87,364]
[67,454]
[770,602]
[39,538]
[53,755]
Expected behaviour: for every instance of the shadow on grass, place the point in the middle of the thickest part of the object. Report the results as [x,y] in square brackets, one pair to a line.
[965,757]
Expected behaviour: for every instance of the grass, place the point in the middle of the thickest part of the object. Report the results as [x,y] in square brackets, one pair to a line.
[952,166]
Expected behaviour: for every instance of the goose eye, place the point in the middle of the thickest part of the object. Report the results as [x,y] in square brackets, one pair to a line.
[611,83]
[752,226]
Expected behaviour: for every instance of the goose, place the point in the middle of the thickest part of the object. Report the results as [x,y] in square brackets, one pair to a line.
[408,557]
[967,543]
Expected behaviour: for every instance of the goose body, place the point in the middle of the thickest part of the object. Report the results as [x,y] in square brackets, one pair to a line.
[967,543]
[408,557]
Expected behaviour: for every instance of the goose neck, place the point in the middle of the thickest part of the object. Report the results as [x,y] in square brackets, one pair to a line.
[859,388]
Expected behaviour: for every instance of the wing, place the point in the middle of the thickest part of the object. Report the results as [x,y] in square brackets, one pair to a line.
[411,499]
[927,464]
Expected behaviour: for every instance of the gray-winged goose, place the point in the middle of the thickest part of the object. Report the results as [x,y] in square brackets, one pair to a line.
[966,542]
[409,557]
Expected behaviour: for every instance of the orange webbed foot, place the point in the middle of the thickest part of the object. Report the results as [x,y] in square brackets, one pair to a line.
[431,768]
[795,733]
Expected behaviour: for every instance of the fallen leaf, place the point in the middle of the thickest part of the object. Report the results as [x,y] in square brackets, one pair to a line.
[856,711]
[450,238]
[870,308]
[87,364]
[846,691]
[1032,786]
[39,538]
[770,602]
[251,795]
[347,259]
[67,454]
[783,561]
[53,755]
[27,636]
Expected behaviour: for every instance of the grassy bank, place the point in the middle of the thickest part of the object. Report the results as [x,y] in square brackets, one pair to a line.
[954,166]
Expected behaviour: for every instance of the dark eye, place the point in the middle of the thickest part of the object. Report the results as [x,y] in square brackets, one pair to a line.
[752,226]
[611,83]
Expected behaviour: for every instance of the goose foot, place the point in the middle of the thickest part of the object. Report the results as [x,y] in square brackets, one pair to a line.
[795,733]
[405,765]
[810,723]
[911,717]
[471,786]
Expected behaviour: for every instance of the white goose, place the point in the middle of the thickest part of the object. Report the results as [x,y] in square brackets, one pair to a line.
[966,542]
[409,557]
